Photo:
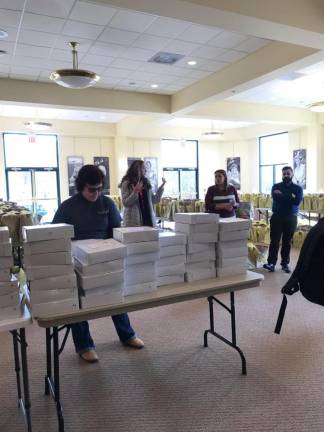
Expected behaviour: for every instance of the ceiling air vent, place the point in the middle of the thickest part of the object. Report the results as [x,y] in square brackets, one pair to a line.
[166,58]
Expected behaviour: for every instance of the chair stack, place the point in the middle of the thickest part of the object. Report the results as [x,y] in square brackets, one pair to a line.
[201,231]
[142,244]
[99,265]
[171,265]
[49,269]
[9,289]
[232,252]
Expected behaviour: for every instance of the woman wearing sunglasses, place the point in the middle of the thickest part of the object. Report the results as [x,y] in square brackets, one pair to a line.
[93,216]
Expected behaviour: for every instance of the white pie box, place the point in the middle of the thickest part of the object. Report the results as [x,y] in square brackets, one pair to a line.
[172,270]
[4,234]
[234,224]
[101,297]
[47,246]
[5,275]
[47,271]
[169,238]
[202,265]
[136,275]
[94,269]
[170,279]
[209,255]
[203,237]
[55,258]
[6,262]
[228,271]
[200,247]
[232,262]
[11,312]
[187,228]
[43,310]
[196,218]
[103,279]
[167,251]
[142,258]
[199,274]
[233,235]
[94,251]
[54,283]
[142,247]
[140,288]
[47,232]
[9,300]
[135,234]
[9,287]
[232,253]
[5,249]
[172,260]
[46,296]
[234,244]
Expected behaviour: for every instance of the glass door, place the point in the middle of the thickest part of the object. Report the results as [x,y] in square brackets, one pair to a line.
[188,184]
[172,187]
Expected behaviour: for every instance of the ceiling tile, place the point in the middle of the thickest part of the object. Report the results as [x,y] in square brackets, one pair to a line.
[92,13]
[42,23]
[9,18]
[183,63]
[32,37]
[97,60]
[231,56]
[151,42]
[155,68]
[78,29]
[137,54]
[7,46]
[181,47]
[199,74]
[57,8]
[23,77]
[127,64]
[116,73]
[4,74]
[142,76]
[184,81]
[64,55]
[131,21]
[199,34]
[252,44]
[167,27]
[118,36]
[12,4]
[39,63]
[4,68]
[162,79]
[111,50]
[94,68]
[208,52]
[24,71]
[12,34]
[32,51]
[109,80]
[227,39]
[131,83]
[62,42]
[212,66]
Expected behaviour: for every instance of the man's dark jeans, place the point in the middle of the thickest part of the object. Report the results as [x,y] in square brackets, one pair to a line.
[281,227]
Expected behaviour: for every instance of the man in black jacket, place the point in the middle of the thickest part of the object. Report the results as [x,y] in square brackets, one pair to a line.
[286,197]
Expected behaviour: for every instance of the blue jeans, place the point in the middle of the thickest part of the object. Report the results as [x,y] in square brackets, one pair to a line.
[83,340]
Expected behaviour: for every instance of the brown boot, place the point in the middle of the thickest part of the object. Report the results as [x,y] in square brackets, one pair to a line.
[89,356]
[135,342]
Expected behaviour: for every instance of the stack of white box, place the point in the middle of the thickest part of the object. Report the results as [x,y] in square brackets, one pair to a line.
[232,250]
[48,264]
[99,265]
[201,230]
[9,289]
[142,245]
[171,265]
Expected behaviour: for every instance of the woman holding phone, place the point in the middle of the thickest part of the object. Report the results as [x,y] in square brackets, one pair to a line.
[138,197]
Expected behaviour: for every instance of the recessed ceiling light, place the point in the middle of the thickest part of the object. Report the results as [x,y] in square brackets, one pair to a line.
[192,62]
[3,34]
[154,85]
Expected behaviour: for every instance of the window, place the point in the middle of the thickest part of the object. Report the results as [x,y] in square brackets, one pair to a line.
[273,154]
[32,173]
[180,168]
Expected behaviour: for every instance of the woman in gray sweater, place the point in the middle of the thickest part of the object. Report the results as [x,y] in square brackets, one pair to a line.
[138,197]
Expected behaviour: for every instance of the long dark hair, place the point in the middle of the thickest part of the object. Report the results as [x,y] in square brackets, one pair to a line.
[132,175]
[223,172]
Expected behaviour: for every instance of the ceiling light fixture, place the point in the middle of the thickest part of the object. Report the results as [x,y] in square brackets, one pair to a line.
[316,107]
[38,125]
[212,132]
[74,78]
[192,62]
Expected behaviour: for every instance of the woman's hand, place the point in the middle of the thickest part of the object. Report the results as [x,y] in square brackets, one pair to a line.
[163,182]
[138,187]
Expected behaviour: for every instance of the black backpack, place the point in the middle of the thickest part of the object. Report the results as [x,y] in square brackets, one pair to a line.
[308,276]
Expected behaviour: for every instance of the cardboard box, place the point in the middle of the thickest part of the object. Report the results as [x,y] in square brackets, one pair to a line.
[169,238]
[196,218]
[4,234]
[140,288]
[135,275]
[172,270]
[104,279]
[232,262]
[94,251]
[203,237]
[200,247]
[44,310]
[5,249]
[6,262]
[167,251]
[9,287]
[142,258]
[5,275]
[234,224]
[55,258]
[135,234]
[47,246]
[44,272]
[232,253]
[233,235]
[209,255]
[94,269]
[199,275]
[228,271]
[143,247]
[47,232]
[172,260]
[9,300]
[54,283]
[101,299]
[46,296]
[168,280]
[187,228]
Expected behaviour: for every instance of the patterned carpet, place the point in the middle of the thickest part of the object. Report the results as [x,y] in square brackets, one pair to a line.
[176,385]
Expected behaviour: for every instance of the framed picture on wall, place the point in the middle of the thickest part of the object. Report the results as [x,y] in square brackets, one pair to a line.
[233,168]
[151,171]
[103,164]
[74,163]
[130,160]
[299,159]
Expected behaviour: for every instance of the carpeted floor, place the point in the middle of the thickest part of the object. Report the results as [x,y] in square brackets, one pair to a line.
[176,385]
